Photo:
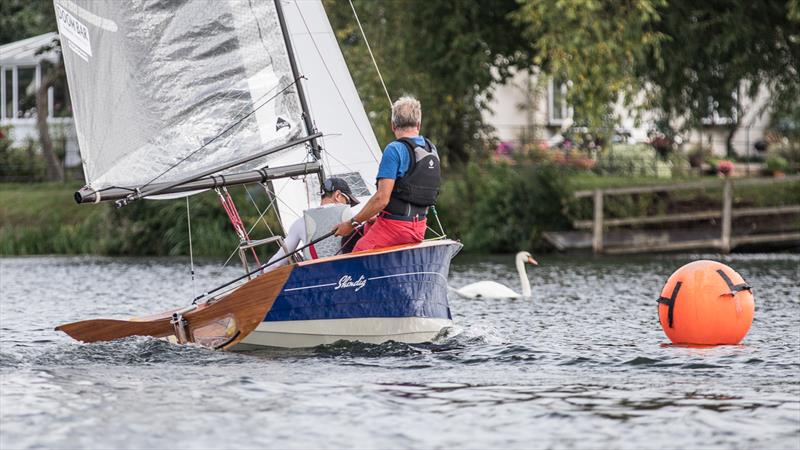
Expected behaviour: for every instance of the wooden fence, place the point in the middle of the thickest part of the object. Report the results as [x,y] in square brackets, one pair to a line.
[725,242]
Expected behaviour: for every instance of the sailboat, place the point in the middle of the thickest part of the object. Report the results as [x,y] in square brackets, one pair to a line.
[173,99]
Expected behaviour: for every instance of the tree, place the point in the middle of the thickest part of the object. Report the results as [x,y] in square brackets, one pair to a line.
[55,171]
[714,52]
[22,19]
[595,45]
[688,57]
[447,53]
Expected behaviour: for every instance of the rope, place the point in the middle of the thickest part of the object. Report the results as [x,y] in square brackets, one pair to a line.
[236,220]
[191,251]
[271,203]
[369,49]
[435,214]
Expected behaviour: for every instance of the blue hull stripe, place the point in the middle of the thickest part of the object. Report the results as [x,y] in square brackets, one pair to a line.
[404,283]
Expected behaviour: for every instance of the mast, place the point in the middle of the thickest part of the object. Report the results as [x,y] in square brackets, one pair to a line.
[315,148]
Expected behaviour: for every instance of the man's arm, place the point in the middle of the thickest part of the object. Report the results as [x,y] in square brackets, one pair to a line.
[374,205]
[296,234]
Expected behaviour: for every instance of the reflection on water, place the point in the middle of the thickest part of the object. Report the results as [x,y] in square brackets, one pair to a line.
[583,364]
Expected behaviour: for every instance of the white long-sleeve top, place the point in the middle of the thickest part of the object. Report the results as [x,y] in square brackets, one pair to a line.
[296,235]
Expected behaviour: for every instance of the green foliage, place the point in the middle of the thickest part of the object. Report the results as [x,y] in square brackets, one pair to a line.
[22,19]
[777,164]
[504,207]
[784,131]
[19,163]
[595,44]
[712,49]
[640,160]
[149,227]
[689,57]
[449,54]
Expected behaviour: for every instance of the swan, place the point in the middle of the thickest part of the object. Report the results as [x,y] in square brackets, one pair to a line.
[492,289]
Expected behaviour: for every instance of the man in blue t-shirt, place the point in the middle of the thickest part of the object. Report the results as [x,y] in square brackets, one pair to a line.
[397,222]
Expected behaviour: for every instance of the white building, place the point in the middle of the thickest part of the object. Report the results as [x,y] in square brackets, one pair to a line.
[22,66]
[533,107]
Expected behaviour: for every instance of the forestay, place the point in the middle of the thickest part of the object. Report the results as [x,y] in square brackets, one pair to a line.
[152,82]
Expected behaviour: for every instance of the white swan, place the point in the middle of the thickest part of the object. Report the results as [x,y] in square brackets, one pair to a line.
[492,289]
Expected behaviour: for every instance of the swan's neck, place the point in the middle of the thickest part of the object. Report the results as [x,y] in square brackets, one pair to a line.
[524,282]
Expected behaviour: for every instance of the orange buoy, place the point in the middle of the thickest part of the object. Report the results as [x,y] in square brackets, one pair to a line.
[706,303]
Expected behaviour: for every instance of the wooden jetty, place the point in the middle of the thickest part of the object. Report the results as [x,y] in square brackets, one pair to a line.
[607,235]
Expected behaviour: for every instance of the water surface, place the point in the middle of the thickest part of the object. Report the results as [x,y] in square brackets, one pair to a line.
[584,364]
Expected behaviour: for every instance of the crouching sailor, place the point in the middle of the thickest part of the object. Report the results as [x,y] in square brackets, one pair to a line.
[408,183]
[334,207]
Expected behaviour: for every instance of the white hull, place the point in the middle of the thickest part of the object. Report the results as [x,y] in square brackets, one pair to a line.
[311,333]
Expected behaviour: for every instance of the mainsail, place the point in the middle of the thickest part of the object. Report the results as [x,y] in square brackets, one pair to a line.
[166,91]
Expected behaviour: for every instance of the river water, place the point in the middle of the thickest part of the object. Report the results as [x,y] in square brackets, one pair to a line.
[584,364]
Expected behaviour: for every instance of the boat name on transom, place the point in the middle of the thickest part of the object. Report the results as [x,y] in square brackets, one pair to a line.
[348,282]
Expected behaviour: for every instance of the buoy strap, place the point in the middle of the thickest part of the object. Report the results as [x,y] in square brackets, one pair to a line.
[670,302]
[735,288]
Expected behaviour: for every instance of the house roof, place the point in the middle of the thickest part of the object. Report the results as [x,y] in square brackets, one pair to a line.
[22,53]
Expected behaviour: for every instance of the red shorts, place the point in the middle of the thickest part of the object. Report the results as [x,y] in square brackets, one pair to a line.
[388,232]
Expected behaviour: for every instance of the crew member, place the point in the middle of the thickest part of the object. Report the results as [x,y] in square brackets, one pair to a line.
[334,207]
[408,183]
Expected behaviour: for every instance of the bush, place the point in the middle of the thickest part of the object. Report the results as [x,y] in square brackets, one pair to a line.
[503,207]
[19,163]
[698,154]
[633,160]
[777,164]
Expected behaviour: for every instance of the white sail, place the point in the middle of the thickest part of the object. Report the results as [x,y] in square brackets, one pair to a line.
[350,149]
[164,90]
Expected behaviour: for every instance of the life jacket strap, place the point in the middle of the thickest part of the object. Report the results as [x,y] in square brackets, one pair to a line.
[670,302]
[734,288]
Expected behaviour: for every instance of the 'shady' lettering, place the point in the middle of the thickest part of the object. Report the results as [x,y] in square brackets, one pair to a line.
[347,282]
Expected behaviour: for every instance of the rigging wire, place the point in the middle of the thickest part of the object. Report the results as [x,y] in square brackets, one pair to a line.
[191,251]
[369,49]
[260,214]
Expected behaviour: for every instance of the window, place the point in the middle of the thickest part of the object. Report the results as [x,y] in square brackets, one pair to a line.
[557,106]
[26,92]
[8,93]
[18,89]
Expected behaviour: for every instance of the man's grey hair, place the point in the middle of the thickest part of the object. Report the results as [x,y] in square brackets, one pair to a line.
[406,112]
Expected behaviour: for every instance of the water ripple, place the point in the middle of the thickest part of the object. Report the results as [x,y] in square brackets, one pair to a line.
[574,367]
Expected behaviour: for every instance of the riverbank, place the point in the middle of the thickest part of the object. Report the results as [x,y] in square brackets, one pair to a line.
[43,218]
[493,208]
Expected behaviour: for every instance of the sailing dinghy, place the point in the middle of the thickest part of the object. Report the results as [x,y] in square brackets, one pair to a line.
[172,99]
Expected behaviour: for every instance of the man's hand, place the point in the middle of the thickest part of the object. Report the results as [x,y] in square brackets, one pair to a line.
[344,229]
